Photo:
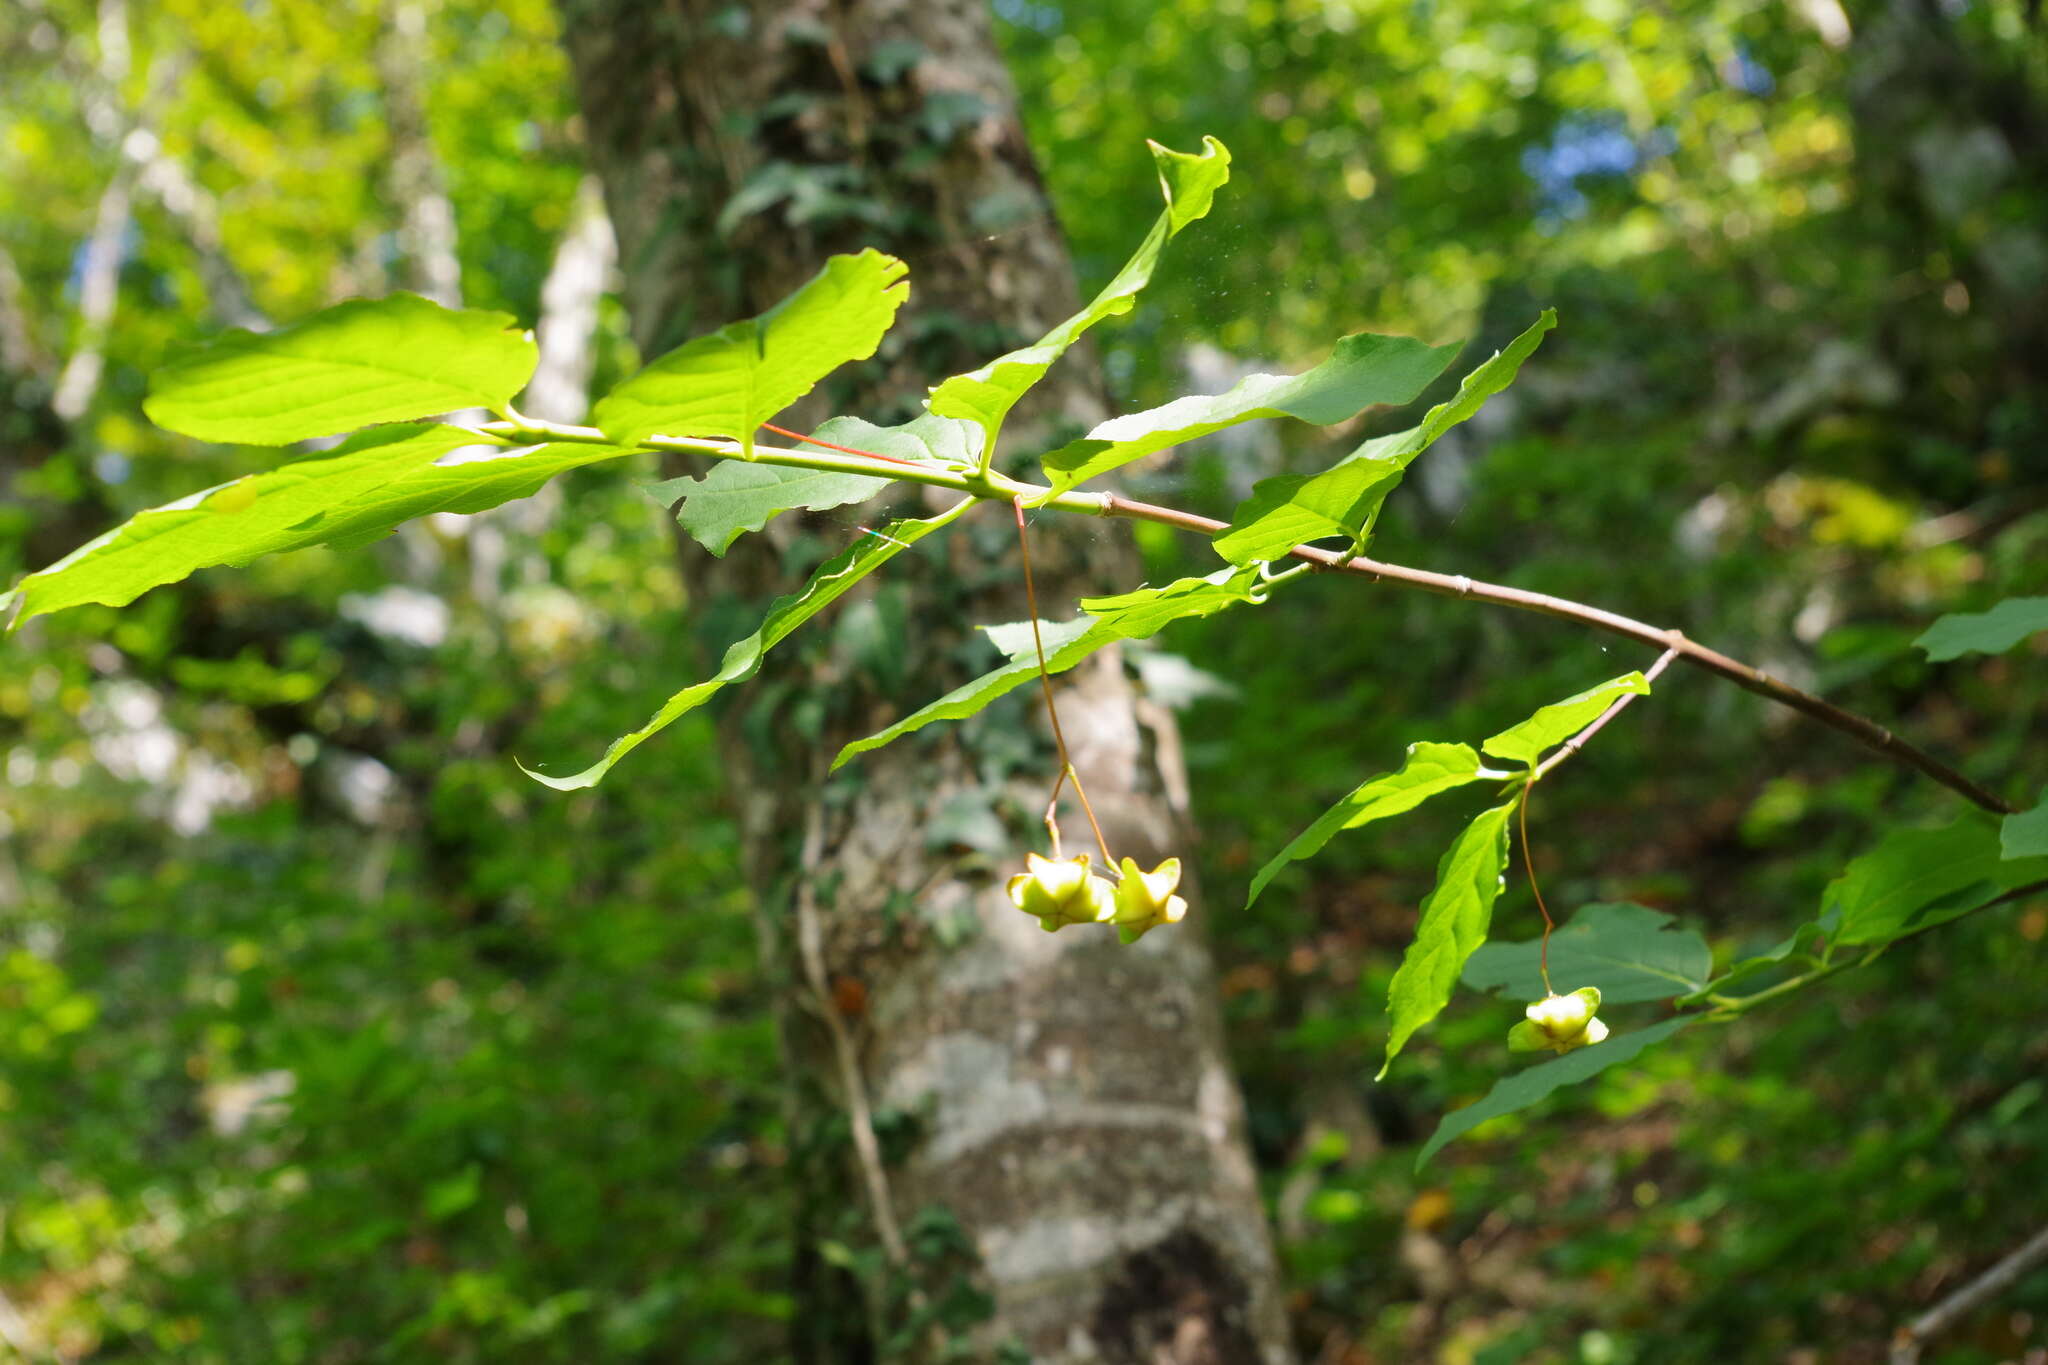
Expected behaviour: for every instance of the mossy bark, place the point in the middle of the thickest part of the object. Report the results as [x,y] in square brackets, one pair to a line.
[1066,1102]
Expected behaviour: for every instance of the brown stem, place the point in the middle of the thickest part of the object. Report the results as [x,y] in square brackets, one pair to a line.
[1857,727]
[1052,712]
[1536,774]
[1529,867]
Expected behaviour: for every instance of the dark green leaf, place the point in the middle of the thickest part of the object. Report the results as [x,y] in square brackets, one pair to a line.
[1921,877]
[2025,835]
[1629,953]
[985,396]
[369,360]
[730,382]
[1985,632]
[743,658]
[1804,948]
[1560,720]
[1345,500]
[1429,768]
[1536,1083]
[1363,370]
[1453,923]
[348,496]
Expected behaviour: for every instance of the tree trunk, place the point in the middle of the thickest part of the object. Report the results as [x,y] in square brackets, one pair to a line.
[1063,1102]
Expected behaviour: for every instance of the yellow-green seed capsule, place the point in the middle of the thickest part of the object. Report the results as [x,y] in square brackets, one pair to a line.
[1145,900]
[1062,891]
[1560,1023]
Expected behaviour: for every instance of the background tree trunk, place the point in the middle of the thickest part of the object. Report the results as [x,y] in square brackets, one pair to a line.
[1064,1103]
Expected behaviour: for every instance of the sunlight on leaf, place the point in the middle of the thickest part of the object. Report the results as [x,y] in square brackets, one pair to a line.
[1430,768]
[1452,924]
[730,382]
[369,360]
[345,497]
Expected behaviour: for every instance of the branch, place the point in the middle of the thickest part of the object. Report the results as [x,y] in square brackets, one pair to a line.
[1860,728]
[1938,1319]
[995,486]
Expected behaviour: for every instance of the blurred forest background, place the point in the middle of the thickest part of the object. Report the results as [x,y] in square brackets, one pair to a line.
[326,1036]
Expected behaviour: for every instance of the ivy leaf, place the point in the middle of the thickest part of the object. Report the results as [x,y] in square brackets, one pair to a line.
[1429,768]
[392,359]
[985,396]
[1453,923]
[743,658]
[730,382]
[2025,835]
[343,497]
[1345,499]
[1984,632]
[1916,878]
[1106,620]
[1559,721]
[1630,952]
[1535,1084]
[1363,370]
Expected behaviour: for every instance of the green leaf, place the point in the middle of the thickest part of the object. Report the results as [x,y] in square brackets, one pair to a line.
[1143,612]
[1429,768]
[925,437]
[1453,923]
[985,396]
[730,382]
[1560,720]
[345,497]
[1535,1084]
[1363,370]
[1345,499]
[736,497]
[1128,616]
[1804,948]
[1985,632]
[743,658]
[2025,835]
[369,360]
[1916,878]
[1630,953]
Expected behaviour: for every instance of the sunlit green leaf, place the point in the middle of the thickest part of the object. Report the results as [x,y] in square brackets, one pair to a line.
[1917,878]
[743,658]
[1629,953]
[1430,768]
[1452,924]
[369,360]
[1363,370]
[985,396]
[1535,1084]
[1559,721]
[348,496]
[730,382]
[1127,616]
[1345,499]
[1985,632]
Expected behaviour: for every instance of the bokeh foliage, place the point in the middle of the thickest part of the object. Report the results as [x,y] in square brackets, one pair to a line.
[255,835]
